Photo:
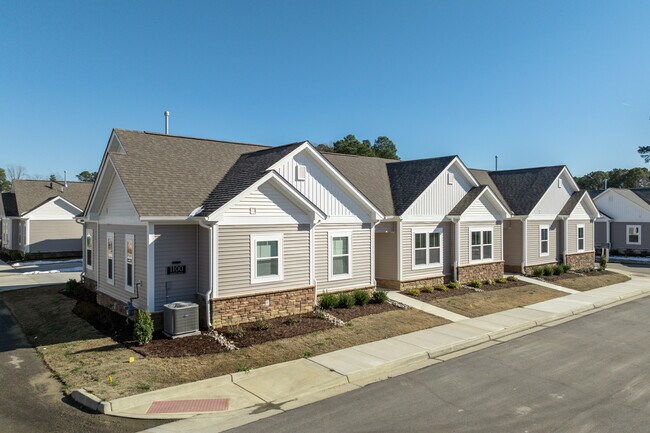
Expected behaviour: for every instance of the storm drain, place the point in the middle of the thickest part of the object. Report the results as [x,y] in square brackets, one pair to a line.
[181,406]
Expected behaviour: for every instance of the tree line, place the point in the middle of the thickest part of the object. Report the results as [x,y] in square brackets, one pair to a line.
[383,147]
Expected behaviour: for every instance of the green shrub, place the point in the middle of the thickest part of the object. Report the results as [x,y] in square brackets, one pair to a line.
[565,267]
[475,284]
[346,300]
[441,288]
[488,282]
[511,278]
[328,301]
[427,289]
[234,332]
[262,325]
[379,297]
[548,270]
[143,328]
[558,270]
[292,320]
[453,285]
[413,292]
[538,272]
[501,280]
[603,263]
[361,297]
[17,256]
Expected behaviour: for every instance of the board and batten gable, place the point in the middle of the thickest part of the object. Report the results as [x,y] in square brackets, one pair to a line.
[117,207]
[621,208]
[439,198]
[555,197]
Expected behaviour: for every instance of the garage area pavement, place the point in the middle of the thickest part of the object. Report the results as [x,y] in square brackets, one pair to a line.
[35,274]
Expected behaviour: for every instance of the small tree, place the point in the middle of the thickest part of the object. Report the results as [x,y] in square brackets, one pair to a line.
[603,262]
[143,329]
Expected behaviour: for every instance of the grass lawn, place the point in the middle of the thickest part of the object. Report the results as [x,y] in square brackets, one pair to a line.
[82,357]
[592,280]
[481,303]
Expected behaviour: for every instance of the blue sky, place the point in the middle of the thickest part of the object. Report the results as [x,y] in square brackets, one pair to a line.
[537,83]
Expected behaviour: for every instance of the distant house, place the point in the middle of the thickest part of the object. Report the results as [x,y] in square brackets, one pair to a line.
[440,224]
[625,219]
[38,217]
[552,219]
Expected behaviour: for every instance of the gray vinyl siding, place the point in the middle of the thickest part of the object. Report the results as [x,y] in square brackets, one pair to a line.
[175,243]
[90,273]
[619,237]
[446,268]
[361,257]
[573,236]
[601,233]
[465,240]
[54,236]
[235,258]
[554,247]
[204,259]
[513,242]
[386,256]
[15,234]
[118,290]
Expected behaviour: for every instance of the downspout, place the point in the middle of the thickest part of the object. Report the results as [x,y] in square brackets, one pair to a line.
[524,243]
[312,257]
[565,242]
[208,312]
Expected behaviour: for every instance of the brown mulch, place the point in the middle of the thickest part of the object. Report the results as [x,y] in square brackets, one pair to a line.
[347,314]
[163,347]
[248,334]
[567,275]
[437,294]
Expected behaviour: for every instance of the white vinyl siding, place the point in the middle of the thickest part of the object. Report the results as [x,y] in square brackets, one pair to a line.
[623,206]
[117,206]
[553,199]
[360,262]
[266,202]
[57,209]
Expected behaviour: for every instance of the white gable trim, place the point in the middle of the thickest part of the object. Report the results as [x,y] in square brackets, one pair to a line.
[572,182]
[335,173]
[29,214]
[295,195]
[590,204]
[494,200]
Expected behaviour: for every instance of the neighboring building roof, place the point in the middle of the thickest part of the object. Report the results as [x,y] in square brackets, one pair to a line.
[643,193]
[467,200]
[392,185]
[593,193]
[521,189]
[27,195]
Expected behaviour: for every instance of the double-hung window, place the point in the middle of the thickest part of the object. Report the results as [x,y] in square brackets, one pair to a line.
[427,248]
[633,234]
[89,248]
[266,258]
[481,244]
[340,252]
[129,262]
[110,258]
[581,237]
[543,241]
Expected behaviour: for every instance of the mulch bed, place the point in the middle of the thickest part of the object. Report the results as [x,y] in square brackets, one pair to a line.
[426,297]
[163,347]
[248,334]
[347,314]
[568,275]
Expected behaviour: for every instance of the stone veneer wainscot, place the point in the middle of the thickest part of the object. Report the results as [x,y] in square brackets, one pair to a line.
[413,284]
[480,272]
[581,260]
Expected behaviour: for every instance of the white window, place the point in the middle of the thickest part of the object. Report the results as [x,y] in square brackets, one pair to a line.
[481,244]
[110,258]
[340,248]
[301,172]
[450,178]
[543,241]
[633,235]
[581,237]
[559,183]
[427,248]
[266,258]
[89,248]
[129,262]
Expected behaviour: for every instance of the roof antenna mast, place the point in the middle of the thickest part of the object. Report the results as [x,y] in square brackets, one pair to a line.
[166,122]
[496,162]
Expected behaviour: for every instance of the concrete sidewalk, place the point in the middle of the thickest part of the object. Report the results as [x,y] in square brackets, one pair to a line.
[423,306]
[270,390]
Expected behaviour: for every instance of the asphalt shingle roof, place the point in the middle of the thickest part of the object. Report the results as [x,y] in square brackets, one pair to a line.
[643,193]
[572,202]
[29,194]
[467,200]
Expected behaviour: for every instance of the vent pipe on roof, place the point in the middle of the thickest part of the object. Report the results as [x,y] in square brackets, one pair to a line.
[496,162]
[166,122]
[65,178]
[605,183]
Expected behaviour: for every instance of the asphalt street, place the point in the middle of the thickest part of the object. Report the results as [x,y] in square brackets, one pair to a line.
[32,401]
[586,375]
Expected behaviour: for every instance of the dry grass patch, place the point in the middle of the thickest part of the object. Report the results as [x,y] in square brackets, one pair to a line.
[481,303]
[592,280]
[82,357]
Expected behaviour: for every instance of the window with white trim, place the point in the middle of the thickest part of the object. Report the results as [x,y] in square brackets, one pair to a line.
[129,262]
[340,252]
[427,248]
[581,237]
[89,248]
[481,244]
[266,258]
[633,234]
[110,258]
[543,241]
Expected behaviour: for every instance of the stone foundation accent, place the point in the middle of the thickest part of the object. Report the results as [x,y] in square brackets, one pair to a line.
[250,308]
[90,284]
[581,260]
[413,284]
[111,303]
[480,272]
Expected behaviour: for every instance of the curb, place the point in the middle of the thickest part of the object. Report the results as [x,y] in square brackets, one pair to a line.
[90,401]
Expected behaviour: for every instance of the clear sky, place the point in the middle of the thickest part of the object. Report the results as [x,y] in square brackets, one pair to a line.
[536,82]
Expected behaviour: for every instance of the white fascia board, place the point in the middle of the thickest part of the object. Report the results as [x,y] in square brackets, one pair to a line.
[335,172]
[590,203]
[295,194]
[571,179]
[102,169]
[28,214]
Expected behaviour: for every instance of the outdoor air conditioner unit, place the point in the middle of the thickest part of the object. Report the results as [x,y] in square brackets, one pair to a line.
[181,319]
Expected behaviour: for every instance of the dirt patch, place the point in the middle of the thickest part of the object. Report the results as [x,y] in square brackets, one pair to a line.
[588,280]
[269,330]
[492,301]
[438,294]
[347,314]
